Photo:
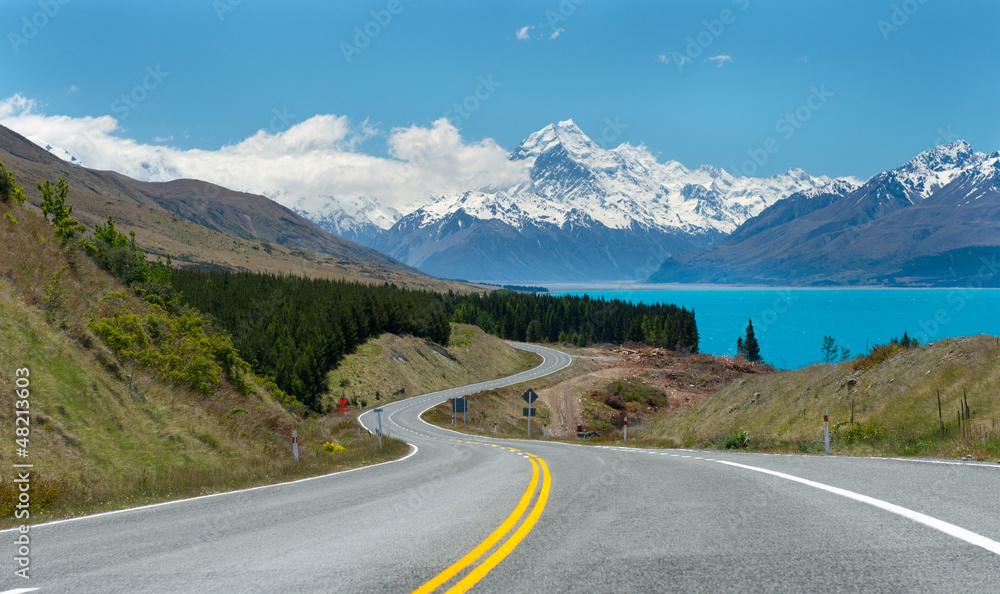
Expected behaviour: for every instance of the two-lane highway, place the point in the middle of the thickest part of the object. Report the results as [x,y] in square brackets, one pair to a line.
[531,516]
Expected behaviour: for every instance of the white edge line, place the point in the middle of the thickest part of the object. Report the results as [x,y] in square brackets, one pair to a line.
[420,415]
[949,529]
[19,590]
[413,451]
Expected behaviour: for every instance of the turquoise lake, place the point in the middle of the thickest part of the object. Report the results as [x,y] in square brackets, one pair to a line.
[790,323]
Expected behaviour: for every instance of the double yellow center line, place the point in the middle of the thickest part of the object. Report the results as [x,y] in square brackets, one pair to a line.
[479,572]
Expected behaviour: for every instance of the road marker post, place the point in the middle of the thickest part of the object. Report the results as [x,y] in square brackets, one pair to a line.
[295,445]
[626,428]
[545,429]
[378,413]
[826,431]
[494,427]
[529,396]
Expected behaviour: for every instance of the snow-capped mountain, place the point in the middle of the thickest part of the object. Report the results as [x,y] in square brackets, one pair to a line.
[586,213]
[362,219]
[62,153]
[933,220]
[934,169]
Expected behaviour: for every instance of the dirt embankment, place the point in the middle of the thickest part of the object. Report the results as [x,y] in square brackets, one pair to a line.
[637,381]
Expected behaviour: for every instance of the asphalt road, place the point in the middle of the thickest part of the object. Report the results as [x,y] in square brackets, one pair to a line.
[526,516]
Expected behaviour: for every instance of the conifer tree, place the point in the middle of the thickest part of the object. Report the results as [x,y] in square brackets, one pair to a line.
[750,348]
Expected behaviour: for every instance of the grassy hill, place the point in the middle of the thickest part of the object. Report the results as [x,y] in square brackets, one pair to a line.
[201,224]
[103,435]
[393,367]
[893,405]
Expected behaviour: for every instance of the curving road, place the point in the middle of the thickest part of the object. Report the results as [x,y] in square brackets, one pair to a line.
[527,516]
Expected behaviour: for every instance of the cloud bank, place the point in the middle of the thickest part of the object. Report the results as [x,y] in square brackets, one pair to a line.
[312,165]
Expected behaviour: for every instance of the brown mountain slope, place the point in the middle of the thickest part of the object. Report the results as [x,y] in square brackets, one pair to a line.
[198,223]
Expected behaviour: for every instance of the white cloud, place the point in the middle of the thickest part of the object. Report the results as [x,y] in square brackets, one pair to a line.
[522,33]
[313,165]
[720,59]
[72,89]
[163,139]
[675,58]
[555,34]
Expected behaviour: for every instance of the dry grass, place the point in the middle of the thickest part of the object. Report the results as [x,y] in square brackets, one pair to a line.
[505,407]
[95,443]
[392,367]
[895,405]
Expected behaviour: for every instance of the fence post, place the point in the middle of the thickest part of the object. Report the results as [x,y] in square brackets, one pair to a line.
[826,432]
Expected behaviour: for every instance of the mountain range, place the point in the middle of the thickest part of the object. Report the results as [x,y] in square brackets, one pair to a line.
[585,213]
[934,220]
[202,224]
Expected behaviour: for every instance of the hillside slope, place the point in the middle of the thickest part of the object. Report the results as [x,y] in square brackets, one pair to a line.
[206,225]
[104,435]
[393,367]
[895,405]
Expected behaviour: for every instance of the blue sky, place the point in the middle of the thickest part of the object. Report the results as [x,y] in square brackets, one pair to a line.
[894,77]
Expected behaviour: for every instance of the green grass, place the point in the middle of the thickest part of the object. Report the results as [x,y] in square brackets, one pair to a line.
[97,444]
[393,367]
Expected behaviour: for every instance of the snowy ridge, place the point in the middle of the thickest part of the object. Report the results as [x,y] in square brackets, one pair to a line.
[62,153]
[982,180]
[934,169]
[573,180]
[360,219]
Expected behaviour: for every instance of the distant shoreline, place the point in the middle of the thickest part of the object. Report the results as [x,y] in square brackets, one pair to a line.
[635,286]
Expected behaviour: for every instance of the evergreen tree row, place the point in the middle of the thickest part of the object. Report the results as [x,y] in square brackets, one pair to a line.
[580,320]
[296,329]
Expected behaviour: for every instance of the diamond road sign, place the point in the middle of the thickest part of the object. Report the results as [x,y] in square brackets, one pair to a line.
[529,396]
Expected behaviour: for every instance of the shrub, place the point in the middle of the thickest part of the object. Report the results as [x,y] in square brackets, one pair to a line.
[879,354]
[9,190]
[333,448]
[621,392]
[864,432]
[176,346]
[737,441]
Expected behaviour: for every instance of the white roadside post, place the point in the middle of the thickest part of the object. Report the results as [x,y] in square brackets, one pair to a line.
[494,427]
[826,431]
[295,445]
[626,429]
[378,413]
